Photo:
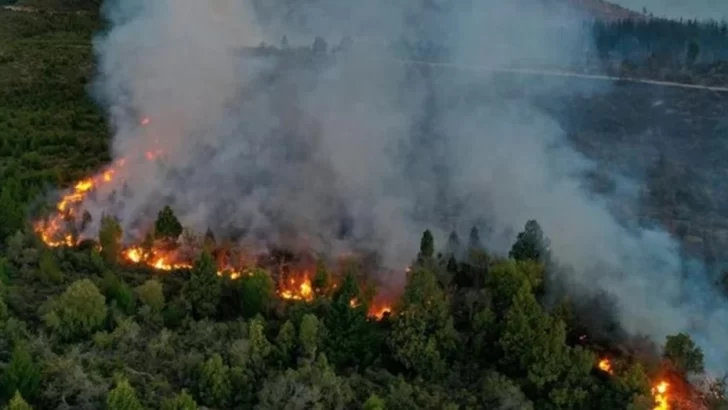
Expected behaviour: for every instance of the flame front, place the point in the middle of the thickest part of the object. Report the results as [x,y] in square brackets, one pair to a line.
[166,261]
[54,232]
[154,259]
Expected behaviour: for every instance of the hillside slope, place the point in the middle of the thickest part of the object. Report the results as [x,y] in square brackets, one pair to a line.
[600,9]
[605,10]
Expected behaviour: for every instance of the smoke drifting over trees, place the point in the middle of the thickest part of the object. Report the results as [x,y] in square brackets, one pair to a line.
[359,151]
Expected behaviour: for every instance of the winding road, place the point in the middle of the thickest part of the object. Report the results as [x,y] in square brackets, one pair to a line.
[559,73]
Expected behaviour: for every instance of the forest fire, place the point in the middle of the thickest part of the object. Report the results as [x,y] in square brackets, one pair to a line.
[54,232]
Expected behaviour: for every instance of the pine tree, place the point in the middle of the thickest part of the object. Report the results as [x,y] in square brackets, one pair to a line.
[214,384]
[110,235]
[18,403]
[531,244]
[427,247]
[22,375]
[123,397]
[474,242]
[203,290]
[167,226]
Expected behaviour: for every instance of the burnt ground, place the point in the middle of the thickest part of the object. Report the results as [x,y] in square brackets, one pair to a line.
[674,141]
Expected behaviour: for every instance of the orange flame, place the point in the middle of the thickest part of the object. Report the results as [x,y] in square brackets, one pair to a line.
[660,395]
[606,366]
[378,311]
[659,391]
[165,261]
[297,288]
[375,311]
[52,230]
[156,259]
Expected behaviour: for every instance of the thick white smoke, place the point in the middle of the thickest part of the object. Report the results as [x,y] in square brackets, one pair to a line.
[362,151]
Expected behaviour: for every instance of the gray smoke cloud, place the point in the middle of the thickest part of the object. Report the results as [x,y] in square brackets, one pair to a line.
[361,151]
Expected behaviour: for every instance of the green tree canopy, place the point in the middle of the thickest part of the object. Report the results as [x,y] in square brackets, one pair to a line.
[214,384]
[77,312]
[257,293]
[684,354]
[349,339]
[427,247]
[308,336]
[374,402]
[110,235]
[182,401]
[18,403]
[203,290]
[423,334]
[531,244]
[151,294]
[167,226]
[123,397]
[22,376]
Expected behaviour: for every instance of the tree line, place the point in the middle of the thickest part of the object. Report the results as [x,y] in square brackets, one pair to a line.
[83,329]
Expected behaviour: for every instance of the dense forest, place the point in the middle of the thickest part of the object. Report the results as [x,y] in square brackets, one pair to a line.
[669,41]
[86,328]
[685,51]
[94,325]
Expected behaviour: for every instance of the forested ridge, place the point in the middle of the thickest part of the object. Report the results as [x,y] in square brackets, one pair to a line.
[83,326]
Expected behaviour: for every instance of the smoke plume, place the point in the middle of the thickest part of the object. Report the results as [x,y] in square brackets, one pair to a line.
[359,151]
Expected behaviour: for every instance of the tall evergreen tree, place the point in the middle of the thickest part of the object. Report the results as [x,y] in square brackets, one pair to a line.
[167,226]
[531,244]
[474,242]
[453,247]
[123,397]
[202,291]
[427,247]
[110,234]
